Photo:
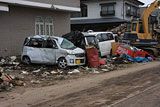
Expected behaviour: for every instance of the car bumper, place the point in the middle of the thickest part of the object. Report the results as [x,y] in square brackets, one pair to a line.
[72,60]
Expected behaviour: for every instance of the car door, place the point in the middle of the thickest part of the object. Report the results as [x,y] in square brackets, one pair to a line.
[105,40]
[49,51]
[108,42]
[33,50]
[102,44]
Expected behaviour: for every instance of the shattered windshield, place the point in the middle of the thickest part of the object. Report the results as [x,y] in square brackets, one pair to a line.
[67,44]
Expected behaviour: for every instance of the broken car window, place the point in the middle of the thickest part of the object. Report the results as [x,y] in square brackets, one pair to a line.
[26,41]
[38,43]
[99,37]
[104,36]
[91,40]
[67,44]
[50,44]
[110,36]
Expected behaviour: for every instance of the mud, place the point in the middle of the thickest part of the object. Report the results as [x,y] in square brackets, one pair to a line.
[109,91]
[94,90]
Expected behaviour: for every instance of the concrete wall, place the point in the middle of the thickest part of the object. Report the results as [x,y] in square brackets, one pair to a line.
[19,23]
[72,3]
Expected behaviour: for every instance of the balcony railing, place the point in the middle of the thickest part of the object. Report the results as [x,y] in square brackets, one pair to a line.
[108,13]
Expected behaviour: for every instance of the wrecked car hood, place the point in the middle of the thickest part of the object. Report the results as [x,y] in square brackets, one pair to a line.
[76,51]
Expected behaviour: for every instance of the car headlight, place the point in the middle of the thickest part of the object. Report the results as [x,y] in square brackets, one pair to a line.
[72,61]
[80,55]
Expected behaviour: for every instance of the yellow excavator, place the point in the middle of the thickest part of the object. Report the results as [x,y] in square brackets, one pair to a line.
[141,34]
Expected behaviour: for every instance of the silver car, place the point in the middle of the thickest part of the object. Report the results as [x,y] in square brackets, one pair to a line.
[52,50]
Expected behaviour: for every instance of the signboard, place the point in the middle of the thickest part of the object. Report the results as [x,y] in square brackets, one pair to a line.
[123,50]
[132,53]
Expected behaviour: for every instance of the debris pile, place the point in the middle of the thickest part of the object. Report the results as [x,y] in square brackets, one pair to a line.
[9,61]
[121,28]
[14,73]
[133,54]
[9,81]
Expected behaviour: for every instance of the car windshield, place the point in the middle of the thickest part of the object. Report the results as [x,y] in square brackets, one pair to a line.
[67,44]
[91,40]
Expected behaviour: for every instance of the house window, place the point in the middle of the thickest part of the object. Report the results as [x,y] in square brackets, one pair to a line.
[138,12]
[128,10]
[107,9]
[83,13]
[49,26]
[84,10]
[132,11]
[39,26]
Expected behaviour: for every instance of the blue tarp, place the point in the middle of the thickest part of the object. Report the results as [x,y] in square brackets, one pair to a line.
[137,59]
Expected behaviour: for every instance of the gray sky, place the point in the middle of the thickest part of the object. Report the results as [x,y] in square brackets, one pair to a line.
[147,1]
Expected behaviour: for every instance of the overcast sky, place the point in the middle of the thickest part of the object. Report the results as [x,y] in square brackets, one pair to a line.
[147,1]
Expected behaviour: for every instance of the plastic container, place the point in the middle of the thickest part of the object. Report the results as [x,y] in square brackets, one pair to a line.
[93,57]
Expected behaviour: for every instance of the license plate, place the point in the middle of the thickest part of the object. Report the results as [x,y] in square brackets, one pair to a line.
[78,61]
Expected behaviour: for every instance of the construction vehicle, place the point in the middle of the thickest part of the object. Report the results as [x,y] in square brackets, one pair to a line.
[142,35]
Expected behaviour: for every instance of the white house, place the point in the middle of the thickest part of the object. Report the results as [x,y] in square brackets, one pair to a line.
[103,14]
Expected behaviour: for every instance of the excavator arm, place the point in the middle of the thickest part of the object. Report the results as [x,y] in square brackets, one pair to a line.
[146,13]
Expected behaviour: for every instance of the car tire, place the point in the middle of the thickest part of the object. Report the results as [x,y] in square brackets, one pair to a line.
[26,60]
[62,63]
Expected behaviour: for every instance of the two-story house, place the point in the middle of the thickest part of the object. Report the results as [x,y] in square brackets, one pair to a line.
[22,18]
[100,15]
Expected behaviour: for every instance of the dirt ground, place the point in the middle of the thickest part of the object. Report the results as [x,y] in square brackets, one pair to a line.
[94,90]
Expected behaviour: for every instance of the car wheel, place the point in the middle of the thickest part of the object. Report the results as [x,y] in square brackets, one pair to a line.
[26,60]
[62,63]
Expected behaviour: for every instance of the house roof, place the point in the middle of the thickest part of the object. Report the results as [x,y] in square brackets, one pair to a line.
[139,2]
[99,20]
[40,5]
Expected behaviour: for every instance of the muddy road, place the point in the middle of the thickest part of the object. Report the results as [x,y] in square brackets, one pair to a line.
[101,90]
[148,98]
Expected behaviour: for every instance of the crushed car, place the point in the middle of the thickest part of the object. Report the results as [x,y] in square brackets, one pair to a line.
[104,41]
[51,50]
[101,40]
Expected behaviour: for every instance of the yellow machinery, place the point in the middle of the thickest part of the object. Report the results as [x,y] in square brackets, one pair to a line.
[142,28]
[141,33]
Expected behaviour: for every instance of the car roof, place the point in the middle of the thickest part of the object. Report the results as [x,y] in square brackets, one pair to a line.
[93,33]
[45,37]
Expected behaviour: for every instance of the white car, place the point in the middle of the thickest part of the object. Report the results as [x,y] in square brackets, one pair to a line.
[103,39]
[52,50]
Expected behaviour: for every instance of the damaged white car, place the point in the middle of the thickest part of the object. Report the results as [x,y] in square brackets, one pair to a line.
[52,50]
